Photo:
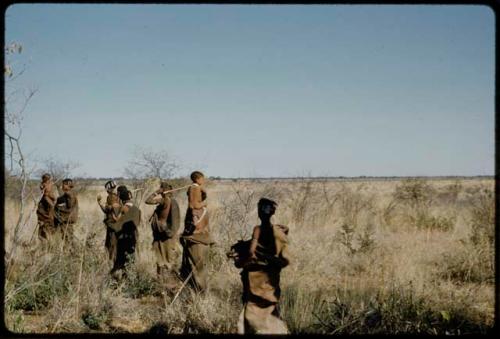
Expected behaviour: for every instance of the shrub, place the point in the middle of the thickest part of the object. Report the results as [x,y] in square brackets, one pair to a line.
[414,192]
[35,290]
[396,311]
[423,220]
[356,240]
[353,203]
[297,306]
[482,219]
[468,264]
[413,199]
[94,320]
[139,282]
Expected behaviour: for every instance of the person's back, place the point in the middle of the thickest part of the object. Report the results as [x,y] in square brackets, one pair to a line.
[196,237]
[126,231]
[166,219]
[127,224]
[174,217]
[45,209]
[112,207]
[165,223]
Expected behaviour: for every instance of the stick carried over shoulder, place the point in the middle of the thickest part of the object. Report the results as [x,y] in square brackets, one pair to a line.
[176,189]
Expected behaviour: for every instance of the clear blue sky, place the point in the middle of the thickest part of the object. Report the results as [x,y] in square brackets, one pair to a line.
[249,90]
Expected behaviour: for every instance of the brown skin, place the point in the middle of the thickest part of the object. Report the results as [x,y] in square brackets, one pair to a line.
[111,190]
[99,199]
[195,194]
[106,207]
[46,206]
[66,188]
[67,205]
[265,214]
[123,210]
[158,197]
[46,188]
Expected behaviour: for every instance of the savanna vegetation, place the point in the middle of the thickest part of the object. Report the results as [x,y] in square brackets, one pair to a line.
[396,256]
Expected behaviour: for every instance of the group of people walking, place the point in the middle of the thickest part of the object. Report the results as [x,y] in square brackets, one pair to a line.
[56,215]
[261,258]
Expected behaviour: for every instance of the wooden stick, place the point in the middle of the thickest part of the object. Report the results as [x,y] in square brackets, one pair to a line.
[176,189]
[80,274]
[182,287]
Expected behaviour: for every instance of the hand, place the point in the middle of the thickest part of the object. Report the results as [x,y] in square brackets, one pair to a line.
[159,191]
[276,261]
[99,198]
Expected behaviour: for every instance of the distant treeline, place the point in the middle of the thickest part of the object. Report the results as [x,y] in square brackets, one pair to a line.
[363,178]
[97,181]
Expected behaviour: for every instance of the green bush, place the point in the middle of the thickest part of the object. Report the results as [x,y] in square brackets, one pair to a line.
[37,291]
[94,319]
[414,192]
[139,282]
[424,220]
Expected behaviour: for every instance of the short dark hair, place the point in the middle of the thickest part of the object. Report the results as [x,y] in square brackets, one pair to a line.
[124,193]
[69,182]
[121,188]
[165,185]
[266,201]
[46,177]
[195,175]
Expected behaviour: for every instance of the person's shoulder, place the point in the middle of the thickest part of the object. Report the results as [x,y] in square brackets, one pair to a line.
[282,228]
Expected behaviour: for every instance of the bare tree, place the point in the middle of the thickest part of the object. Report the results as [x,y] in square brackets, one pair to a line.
[146,167]
[147,163]
[57,168]
[16,101]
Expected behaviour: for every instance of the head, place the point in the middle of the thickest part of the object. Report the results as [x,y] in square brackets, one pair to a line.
[123,193]
[198,177]
[165,186]
[46,178]
[67,185]
[110,186]
[46,182]
[266,208]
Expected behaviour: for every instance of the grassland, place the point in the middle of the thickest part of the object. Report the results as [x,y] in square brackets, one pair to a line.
[398,256]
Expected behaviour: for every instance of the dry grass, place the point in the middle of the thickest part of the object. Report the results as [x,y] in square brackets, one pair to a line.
[369,257]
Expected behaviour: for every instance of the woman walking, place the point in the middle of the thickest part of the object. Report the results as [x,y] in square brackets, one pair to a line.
[196,237]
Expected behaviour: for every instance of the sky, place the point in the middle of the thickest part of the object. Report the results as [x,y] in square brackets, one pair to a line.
[260,90]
